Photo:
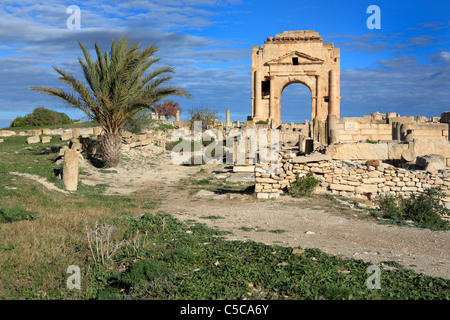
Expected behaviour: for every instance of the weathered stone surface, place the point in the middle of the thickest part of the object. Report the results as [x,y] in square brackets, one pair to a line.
[367,188]
[70,170]
[126,134]
[46,139]
[46,131]
[243,168]
[63,150]
[204,194]
[294,53]
[267,195]
[241,177]
[33,139]
[34,132]
[315,157]
[66,136]
[358,151]
[432,163]
[2,140]
[342,187]
[408,155]
[7,133]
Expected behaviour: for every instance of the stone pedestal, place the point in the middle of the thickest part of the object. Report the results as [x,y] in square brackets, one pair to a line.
[70,170]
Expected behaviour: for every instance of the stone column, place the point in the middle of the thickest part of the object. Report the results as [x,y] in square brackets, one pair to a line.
[272,98]
[332,129]
[332,93]
[228,122]
[301,143]
[258,97]
[178,115]
[316,101]
[70,170]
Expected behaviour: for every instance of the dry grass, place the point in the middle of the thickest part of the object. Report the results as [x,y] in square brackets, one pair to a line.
[35,255]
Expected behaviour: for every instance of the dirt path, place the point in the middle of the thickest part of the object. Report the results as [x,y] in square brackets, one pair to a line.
[283,221]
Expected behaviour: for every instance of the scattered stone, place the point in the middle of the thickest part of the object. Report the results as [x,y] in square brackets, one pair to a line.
[46,139]
[221,176]
[2,140]
[238,196]
[373,163]
[33,139]
[220,196]
[241,177]
[309,232]
[297,251]
[66,136]
[204,194]
[432,163]
[7,133]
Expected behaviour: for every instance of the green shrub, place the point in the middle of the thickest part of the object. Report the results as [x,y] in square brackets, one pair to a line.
[303,186]
[424,209]
[371,141]
[16,214]
[41,117]
[137,123]
[144,271]
[261,122]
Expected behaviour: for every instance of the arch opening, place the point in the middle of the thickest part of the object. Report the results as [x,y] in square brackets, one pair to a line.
[295,103]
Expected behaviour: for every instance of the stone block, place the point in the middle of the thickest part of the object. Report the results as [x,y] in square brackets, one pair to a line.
[432,163]
[34,132]
[46,139]
[367,188]
[33,139]
[342,187]
[243,168]
[358,151]
[7,133]
[66,136]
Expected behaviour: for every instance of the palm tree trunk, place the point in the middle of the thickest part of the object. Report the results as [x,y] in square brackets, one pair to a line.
[110,145]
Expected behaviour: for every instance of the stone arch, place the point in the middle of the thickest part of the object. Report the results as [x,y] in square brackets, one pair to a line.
[295,56]
[283,83]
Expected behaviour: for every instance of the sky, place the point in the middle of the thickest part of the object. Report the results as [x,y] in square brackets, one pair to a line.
[403,67]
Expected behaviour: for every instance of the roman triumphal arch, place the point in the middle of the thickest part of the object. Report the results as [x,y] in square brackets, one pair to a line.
[295,57]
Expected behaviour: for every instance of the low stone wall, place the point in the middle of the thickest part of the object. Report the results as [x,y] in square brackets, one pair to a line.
[349,179]
[130,140]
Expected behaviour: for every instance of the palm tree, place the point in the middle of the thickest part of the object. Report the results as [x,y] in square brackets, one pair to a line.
[117,88]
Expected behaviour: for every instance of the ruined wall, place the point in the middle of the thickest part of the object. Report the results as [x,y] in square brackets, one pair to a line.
[349,179]
[391,126]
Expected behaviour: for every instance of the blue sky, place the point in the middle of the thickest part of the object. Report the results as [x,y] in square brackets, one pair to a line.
[403,67]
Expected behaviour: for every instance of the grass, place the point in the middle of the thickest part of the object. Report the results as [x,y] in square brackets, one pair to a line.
[160,257]
[201,265]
